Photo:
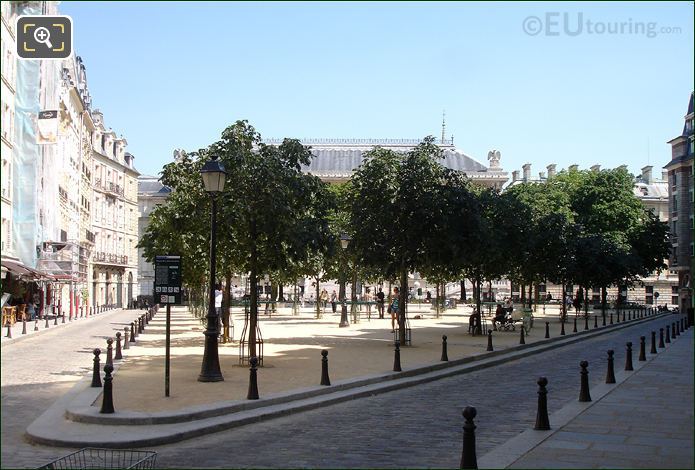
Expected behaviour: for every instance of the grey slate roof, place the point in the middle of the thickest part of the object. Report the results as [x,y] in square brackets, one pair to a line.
[340,158]
[151,186]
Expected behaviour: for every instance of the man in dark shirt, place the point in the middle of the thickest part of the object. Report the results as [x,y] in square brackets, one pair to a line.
[380,302]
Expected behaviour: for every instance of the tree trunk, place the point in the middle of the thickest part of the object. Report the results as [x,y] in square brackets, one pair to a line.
[523,294]
[281,293]
[318,300]
[479,304]
[604,293]
[402,305]
[226,297]
[463,291]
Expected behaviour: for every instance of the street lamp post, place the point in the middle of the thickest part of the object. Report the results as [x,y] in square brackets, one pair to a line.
[344,242]
[213,178]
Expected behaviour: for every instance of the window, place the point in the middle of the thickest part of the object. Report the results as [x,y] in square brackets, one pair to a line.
[675,204]
[649,289]
[674,299]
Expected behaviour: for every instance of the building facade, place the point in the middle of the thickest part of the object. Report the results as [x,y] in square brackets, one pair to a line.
[8,86]
[115,205]
[151,193]
[680,209]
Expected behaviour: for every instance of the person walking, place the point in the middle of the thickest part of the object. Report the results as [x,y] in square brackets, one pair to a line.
[218,306]
[393,308]
[380,303]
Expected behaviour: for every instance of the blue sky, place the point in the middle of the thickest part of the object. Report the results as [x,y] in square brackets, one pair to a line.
[175,74]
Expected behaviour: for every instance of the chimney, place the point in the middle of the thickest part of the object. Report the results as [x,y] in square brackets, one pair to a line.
[541,175]
[664,175]
[595,167]
[573,168]
[552,170]
[527,172]
[647,174]
[515,175]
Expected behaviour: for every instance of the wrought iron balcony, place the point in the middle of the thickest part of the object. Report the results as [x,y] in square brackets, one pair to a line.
[109,258]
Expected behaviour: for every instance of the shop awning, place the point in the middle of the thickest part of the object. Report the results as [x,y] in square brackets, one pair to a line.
[20,270]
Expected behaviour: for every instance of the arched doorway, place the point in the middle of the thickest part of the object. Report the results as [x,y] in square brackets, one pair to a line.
[130,290]
[119,290]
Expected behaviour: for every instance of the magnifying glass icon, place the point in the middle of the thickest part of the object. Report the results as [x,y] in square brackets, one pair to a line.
[43,36]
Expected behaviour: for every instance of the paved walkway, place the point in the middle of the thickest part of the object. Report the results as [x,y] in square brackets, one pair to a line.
[39,369]
[646,422]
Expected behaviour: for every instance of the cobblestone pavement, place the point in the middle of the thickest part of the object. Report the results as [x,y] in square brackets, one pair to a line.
[414,427]
[38,370]
[646,422]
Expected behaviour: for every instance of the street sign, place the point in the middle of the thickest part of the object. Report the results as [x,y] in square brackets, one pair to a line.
[167,279]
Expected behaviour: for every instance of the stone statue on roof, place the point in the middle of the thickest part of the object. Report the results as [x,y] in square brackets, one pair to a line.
[179,154]
[493,156]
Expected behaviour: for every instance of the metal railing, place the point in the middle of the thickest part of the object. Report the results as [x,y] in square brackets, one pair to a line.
[104,257]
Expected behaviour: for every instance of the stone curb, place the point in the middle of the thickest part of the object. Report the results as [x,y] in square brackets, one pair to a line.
[86,426]
[514,449]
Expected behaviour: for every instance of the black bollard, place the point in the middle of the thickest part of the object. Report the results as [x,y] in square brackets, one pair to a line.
[9,329]
[118,355]
[628,357]
[678,331]
[96,377]
[610,373]
[603,319]
[595,321]
[132,332]
[253,379]
[142,323]
[574,330]
[668,333]
[584,387]
[653,347]
[642,349]
[547,330]
[542,421]
[562,328]
[36,325]
[445,356]
[62,315]
[46,325]
[683,324]
[55,318]
[586,322]
[521,337]
[397,357]
[623,315]
[107,402]
[661,338]
[489,340]
[24,325]
[611,318]
[109,351]
[629,314]
[325,380]
[468,457]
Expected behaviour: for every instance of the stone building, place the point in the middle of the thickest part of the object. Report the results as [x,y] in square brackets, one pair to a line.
[7,126]
[114,260]
[680,208]
[335,160]
[150,194]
